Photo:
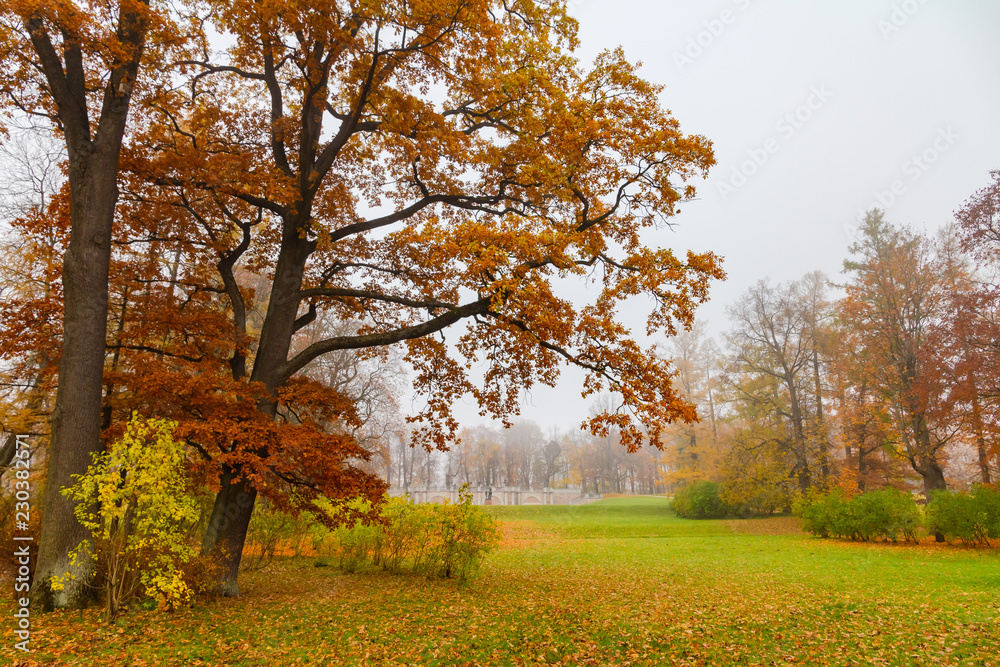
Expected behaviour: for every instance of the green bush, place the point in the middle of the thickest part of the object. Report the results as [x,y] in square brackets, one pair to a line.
[972,518]
[820,512]
[272,530]
[989,506]
[463,534]
[889,514]
[700,500]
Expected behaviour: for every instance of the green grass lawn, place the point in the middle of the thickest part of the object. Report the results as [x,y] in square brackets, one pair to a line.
[620,582]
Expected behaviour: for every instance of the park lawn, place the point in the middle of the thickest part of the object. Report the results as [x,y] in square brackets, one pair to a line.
[620,582]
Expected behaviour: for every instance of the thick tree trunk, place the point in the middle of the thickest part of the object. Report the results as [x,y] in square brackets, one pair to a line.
[984,461]
[933,477]
[933,480]
[805,479]
[93,149]
[227,529]
[923,459]
[76,417]
[7,452]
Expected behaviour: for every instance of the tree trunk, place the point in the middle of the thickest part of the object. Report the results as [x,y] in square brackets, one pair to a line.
[824,442]
[7,452]
[933,480]
[93,193]
[711,412]
[227,528]
[984,461]
[798,433]
[76,417]
[862,467]
[981,448]
[933,477]
[227,531]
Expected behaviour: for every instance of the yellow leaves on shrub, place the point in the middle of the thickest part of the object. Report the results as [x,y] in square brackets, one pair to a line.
[133,500]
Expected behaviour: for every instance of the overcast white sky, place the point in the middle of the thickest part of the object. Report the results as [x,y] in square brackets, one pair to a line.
[818,111]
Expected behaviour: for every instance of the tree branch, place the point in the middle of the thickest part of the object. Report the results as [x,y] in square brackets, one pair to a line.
[299,361]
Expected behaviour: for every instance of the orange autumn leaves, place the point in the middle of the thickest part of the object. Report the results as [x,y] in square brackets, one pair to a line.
[407,167]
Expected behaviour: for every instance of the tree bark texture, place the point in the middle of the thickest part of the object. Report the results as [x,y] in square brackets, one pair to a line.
[93,188]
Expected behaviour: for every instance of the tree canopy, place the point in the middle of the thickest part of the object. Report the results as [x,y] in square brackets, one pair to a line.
[403,168]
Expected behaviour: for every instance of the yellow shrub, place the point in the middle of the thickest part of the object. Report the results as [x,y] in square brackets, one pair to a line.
[133,500]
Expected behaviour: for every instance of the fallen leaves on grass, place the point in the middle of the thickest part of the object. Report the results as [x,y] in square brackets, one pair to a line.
[719,598]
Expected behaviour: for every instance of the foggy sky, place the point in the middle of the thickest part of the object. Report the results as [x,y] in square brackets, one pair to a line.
[818,111]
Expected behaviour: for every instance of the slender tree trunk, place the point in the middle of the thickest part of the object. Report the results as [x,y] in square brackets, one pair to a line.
[824,442]
[862,468]
[409,470]
[711,412]
[801,457]
[981,448]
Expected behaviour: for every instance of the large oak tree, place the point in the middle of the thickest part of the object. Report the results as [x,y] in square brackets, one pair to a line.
[406,168]
[412,166]
[77,64]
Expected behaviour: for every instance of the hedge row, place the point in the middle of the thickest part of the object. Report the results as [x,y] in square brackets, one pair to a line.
[972,518]
[890,514]
[438,540]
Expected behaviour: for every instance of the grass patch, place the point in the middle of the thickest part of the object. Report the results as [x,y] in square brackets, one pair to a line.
[620,582]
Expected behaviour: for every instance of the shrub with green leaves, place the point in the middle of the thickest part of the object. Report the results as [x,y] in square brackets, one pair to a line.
[972,518]
[819,513]
[272,530]
[133,499]
[889,514]
[988,499]
[700,500]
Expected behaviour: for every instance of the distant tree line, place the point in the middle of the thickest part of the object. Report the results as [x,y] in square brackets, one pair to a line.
[522,456]
[885,378]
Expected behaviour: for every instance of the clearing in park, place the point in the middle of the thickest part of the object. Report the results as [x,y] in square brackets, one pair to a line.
[619,582]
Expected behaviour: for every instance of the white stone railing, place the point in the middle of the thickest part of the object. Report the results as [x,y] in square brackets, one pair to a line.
[499,495]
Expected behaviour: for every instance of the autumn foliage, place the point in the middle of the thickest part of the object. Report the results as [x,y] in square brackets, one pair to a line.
[886,379]
[398,168]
